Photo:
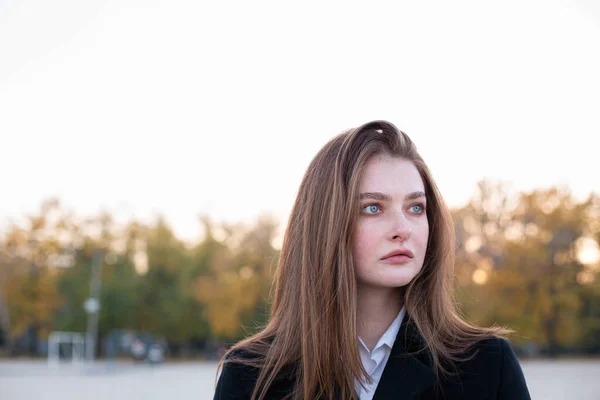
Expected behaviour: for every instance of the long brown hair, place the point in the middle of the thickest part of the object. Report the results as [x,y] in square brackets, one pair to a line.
[312,327]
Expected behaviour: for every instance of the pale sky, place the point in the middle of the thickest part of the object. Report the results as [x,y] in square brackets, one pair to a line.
[189,107]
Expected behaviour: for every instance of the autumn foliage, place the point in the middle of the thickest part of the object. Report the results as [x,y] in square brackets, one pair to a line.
[528,261]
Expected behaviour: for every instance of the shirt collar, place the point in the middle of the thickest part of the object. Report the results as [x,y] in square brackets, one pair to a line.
[389,336]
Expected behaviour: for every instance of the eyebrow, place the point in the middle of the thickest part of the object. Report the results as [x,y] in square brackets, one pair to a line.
[384,197]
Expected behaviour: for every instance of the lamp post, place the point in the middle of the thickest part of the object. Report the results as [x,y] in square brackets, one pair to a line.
[92,306]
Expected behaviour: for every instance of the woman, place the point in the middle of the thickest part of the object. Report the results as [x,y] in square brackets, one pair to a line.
[362,304]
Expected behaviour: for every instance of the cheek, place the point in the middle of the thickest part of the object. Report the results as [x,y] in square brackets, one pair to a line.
[421,237]
[363,244]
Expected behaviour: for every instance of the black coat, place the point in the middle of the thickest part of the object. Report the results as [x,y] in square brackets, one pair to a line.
[493,373]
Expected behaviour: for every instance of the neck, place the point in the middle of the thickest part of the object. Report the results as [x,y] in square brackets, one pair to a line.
[377,309]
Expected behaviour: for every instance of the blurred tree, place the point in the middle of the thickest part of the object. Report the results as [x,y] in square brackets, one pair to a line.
[589,318]
[235,290]
[159,294]
[520,260]
[30,262]
[120,281]
[517,264]
[5,326]
[74,287]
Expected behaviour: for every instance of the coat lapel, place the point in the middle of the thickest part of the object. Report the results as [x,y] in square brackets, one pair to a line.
[406,376]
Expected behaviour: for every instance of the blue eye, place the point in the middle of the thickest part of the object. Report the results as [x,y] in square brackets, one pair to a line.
[371,209]
[420,208]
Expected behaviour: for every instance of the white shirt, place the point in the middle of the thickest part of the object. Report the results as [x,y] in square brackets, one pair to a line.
[375,361]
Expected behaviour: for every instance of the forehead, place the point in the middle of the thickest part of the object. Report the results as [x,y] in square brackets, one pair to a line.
[390,175]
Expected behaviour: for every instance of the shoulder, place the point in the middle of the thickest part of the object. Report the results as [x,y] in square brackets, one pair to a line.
[492,367]
[497,353]
[239,362]
[239,376]
[490,348]
[236,378]
[491,356]
[482,360]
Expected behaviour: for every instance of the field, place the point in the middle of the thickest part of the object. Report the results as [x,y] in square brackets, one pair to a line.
[29,380]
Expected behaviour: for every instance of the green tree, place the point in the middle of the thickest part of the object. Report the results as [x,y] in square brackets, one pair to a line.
[159,293]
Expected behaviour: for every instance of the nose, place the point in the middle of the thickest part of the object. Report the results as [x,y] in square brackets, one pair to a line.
[401,229]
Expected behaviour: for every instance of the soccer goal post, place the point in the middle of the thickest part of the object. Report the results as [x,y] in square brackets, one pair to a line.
[58,340]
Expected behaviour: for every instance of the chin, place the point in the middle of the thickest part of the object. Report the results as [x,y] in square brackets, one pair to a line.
[388,276]
[397,280]
[392,282]
[399,283]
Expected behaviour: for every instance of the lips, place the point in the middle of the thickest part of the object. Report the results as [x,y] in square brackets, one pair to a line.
[398,256]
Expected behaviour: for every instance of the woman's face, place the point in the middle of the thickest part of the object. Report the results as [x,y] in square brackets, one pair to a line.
[390,238]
